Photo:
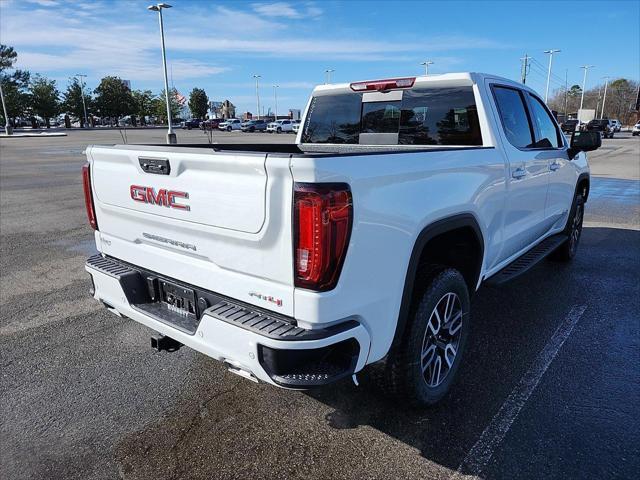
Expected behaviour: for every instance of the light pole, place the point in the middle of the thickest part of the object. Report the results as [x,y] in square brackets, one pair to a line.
[606,83]
[426,64]
[171,137]
[327,76]
[275,97]
[8,129]
[550,52]
[257,77]
[84,105]
[584,83]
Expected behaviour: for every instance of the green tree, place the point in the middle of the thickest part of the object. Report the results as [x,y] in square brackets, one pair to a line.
[15,86]
[45,100]
[113,98]
[198,103]
[143,102]
[160,105]
[8,57]
[72,99]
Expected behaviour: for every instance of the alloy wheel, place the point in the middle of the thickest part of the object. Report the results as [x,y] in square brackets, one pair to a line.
[441,339]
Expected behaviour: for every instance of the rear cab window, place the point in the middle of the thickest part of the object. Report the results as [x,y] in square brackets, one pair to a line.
[417,116]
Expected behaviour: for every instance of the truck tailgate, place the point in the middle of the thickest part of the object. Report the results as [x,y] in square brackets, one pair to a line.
[217,220]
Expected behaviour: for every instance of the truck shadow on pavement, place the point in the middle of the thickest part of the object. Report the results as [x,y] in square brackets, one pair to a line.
[511,325]
[224,427]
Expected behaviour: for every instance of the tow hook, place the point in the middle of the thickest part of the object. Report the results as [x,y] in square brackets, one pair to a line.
[162,342]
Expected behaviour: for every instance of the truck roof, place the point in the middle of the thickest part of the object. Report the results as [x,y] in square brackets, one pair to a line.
[440,80]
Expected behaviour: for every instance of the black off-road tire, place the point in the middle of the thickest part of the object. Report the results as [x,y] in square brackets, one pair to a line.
[401,374]
[567,251]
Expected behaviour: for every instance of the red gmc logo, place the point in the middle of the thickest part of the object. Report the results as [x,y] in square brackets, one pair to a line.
[163,198]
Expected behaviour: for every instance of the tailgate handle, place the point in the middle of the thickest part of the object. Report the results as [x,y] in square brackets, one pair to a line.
[158,166]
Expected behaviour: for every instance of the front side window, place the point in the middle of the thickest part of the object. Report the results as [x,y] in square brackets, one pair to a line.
[514,116]
[547,135]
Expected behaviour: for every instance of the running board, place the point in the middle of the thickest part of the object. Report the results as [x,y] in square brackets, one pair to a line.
[527,261]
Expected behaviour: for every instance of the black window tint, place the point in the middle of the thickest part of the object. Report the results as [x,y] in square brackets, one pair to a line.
[333,119]
[547,134]
[380,117]
[439,116]
[514,117]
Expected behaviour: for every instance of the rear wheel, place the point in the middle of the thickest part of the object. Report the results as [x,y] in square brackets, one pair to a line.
[228,129]
[422,369]
[567,251]
[279,130]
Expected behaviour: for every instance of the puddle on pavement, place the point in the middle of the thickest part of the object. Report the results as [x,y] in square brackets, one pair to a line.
[88,247]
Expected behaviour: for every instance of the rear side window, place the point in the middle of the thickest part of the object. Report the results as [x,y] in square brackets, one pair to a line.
[547,135]
[514,117]
[435,116]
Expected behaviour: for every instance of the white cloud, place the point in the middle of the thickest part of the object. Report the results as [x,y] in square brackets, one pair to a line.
[286,10]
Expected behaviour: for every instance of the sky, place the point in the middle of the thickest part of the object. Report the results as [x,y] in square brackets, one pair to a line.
[219,45]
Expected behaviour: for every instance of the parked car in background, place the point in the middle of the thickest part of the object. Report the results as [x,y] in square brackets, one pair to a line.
[230,124]
[191,123]
[211,123]
[636,129]
[602,125]
[570,126]
[617,126]
[253,126]
[295,126]
[280,126]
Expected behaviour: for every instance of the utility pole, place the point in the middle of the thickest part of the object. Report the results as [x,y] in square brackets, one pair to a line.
[257,96]
[584,82]
[524,69]
[8,129]
[327,76]
[275,96]
[550,52]
[604,100]
[566,91]
[426,64]
[171,137]
[84,105]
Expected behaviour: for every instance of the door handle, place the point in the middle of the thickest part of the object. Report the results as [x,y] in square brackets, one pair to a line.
[519,172]
[555,166]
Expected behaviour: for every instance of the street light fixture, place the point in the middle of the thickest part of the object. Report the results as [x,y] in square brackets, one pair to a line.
[84,105]
[171,137]
[275,96]
[584,82]
[550,52]
[426,64]
[257,77]
[327,75]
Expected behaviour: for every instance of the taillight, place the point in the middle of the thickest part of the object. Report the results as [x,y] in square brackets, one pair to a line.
[323,214]
[388,84]
[88,197]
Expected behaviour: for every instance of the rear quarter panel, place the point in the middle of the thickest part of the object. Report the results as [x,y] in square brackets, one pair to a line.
[395,197]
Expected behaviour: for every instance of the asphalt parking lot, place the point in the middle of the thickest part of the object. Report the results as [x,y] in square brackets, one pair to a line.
[550,388]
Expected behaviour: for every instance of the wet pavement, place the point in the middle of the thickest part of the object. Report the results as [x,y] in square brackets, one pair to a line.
[550,387]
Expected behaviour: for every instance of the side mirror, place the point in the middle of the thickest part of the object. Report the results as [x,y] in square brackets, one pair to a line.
[584,141]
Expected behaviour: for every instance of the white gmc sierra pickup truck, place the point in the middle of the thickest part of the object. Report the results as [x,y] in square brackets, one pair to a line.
[299,265]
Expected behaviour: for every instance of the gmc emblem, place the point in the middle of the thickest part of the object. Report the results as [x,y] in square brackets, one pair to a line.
[163,198]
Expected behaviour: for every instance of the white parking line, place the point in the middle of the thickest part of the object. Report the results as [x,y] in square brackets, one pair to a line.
[480,454]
